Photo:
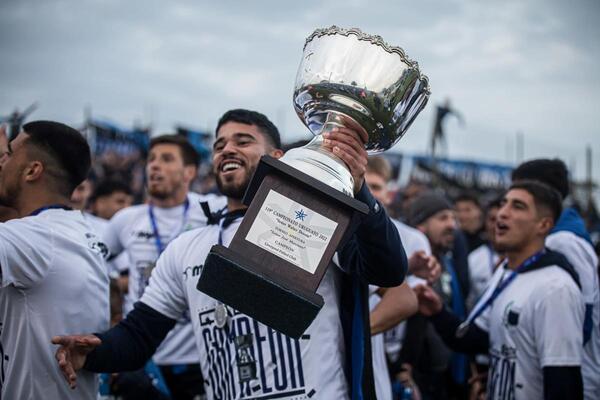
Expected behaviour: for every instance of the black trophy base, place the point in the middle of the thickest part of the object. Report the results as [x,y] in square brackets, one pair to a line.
[226,278]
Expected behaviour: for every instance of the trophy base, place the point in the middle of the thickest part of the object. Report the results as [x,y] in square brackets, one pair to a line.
[227,277]
[278,256]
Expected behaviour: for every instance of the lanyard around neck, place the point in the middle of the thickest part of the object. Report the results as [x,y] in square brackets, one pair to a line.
[159,245]
[228,219]
[500,287]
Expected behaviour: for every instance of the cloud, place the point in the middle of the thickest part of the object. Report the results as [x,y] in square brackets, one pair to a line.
[508,67]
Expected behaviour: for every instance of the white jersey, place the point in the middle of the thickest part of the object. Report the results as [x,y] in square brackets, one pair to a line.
[131,231]
[307,368]
[534,323]
[482,262]
[413,240]
[53,281]
[581,256]
[381,375]
[98,224]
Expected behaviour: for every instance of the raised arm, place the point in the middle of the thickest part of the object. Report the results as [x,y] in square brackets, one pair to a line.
[375,248]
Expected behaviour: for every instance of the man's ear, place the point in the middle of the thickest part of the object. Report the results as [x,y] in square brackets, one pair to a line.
[546,224]
[189,173]
[276,153]
[33,171]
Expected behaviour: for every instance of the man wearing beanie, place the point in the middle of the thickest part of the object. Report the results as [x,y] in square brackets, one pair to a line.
[571,238]
[432,214]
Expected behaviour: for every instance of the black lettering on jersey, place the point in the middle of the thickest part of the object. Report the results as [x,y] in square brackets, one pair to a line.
[3,364]
[501,376]
[144,235]
[191,271]
[277,358]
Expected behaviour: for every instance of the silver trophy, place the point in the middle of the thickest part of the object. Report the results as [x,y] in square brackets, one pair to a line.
[348,78]
[278,258]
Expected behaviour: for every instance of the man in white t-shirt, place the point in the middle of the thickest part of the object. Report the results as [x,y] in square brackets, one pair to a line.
[571,238]
[240,357]
[142,232]
[52,273]
[531,315]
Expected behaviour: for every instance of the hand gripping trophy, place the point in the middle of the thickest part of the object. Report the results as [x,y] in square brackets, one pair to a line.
[300,207]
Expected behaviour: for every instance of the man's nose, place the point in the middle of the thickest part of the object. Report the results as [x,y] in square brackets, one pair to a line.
[229,148]
[154,164]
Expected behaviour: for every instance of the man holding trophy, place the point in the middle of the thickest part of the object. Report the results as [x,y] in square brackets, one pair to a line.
[240,356]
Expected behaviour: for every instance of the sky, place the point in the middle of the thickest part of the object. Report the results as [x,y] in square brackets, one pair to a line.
[507,66]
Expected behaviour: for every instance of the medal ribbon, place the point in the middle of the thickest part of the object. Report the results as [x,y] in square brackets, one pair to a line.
[502,284]
[159,245]
[227,219]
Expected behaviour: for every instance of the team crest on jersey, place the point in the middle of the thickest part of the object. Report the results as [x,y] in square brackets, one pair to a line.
[95,244]
[511,315]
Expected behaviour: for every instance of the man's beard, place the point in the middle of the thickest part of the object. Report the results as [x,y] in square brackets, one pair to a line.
[505,247]
[234,191]
[445,244]
[9,195]
[158,194]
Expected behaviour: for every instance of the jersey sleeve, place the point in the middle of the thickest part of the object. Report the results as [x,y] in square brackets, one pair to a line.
[580,258]
[165,291]
[422,243]
[113,232]
[26,252]
[557,320]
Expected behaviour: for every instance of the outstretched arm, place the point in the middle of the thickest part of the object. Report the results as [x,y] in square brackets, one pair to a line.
[125,347]
[396,305]
[474,341]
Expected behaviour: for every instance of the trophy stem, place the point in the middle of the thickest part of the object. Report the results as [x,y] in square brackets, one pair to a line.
[313,159]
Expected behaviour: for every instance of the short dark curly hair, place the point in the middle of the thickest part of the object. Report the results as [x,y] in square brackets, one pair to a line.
[188,153]
[249,117]
[66,147]
[552,172]
[543,195]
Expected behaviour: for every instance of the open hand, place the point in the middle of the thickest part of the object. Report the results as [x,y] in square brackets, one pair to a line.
[72,353]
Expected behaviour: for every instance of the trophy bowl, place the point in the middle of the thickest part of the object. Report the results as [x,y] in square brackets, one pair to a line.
[352,79]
